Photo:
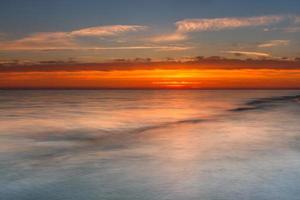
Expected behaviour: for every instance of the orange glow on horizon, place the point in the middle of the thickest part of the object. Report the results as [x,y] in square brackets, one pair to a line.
[157,78]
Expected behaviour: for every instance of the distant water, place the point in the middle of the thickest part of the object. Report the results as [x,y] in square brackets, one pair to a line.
[149,145]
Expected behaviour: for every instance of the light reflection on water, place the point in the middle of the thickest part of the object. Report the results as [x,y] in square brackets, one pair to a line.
[149,145]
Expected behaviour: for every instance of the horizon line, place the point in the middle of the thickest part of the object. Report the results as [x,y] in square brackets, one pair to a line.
[44,88]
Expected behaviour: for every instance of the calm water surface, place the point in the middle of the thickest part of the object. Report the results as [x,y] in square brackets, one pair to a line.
[149,145]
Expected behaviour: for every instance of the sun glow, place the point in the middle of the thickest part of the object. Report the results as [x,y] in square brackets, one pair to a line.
[159,78]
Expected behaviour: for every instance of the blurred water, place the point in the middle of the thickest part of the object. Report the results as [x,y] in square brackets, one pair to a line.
[149,144]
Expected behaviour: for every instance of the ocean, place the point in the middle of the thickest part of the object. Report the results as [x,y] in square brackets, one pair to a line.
[149,144]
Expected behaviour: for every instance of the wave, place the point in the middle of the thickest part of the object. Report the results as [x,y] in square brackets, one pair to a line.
[94,135]
[55,144]
[263,103]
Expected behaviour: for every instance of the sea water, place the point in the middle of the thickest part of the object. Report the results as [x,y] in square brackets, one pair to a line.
[149,144]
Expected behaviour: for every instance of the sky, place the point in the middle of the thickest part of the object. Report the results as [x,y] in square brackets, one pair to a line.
[150,44]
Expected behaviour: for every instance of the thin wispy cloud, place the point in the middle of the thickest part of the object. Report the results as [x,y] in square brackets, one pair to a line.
[292,29]
[166,48]
[72,40]
[78,48]
[296,19]
[186,26]
[293,25]
[102,31]
[40,41]
[66,40]
[215,24]
[248,53]
[274,43]
[169,37]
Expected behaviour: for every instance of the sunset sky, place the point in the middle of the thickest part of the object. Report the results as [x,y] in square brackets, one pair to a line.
[150,44]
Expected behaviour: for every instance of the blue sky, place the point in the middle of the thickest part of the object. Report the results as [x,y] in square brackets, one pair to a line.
[20,20]
[19,16]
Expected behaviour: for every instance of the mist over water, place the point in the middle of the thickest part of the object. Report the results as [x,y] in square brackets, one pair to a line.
[149,144]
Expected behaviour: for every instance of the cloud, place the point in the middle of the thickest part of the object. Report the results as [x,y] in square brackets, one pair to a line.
[78,48]
[66,40]
[289,29]
[169,37]
[51,40]
[296,19]
[274,43]
[186,26]
[216,24]
[102,31]
[292,29]
[161,48]
[15,66]
[293,25]
[248,53]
